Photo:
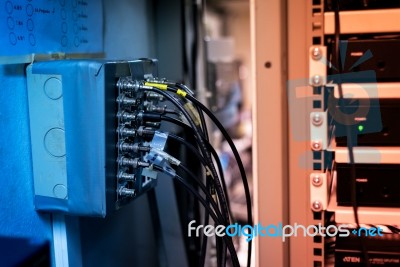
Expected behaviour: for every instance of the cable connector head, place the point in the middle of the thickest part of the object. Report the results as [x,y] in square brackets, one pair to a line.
[125,161]
[132,147]
[127,101]
[126,176]
[152,96]
[126,116]
[145,131]
[126,83]
[126,132]
[126,192]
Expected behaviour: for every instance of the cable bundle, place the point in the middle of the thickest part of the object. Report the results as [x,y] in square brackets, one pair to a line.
[212,193]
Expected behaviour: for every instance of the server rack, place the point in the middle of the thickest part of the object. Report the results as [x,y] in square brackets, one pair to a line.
[308,56]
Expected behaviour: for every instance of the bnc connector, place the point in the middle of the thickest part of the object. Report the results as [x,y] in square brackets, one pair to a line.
[126,192]
[126,116]
[151,96]
[126,132]
[124,161]
[126,83]
[127,101]
[130,147]
[144,131]
[129,132]
[157,109]
[126,176]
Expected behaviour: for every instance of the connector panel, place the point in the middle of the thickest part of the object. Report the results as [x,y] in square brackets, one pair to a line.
[76,135]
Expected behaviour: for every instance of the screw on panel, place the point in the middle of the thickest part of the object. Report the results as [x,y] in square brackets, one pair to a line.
[316,145]
[316,80]
[316,180]
[317,119]
[316,53]
[316,206]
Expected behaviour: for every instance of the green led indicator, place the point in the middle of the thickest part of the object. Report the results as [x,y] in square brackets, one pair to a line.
[360,128]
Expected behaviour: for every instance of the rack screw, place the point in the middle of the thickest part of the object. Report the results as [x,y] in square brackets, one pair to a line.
[316,206]
[316,53]
[317,119]
[316,180]
[316,145]
[316,80]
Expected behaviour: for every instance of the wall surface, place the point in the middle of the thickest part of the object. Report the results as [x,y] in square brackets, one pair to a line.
[124,239]
[129,29]
[17,215]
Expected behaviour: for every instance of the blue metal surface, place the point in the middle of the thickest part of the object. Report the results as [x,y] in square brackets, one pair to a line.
[123,239]
[83,105]
[17,216]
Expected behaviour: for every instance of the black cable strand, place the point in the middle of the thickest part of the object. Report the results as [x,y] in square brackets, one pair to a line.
[350,144]
[203,149]
[229,245]
[208,185]
[193,149]
[213,213]
[206,154]
[221,261]
[206,137]
[176,122]
[238,160]
[221,253]
[198,104]
[222,176]
[206,219]
[203,189]
[213,153]
[206,214]
[201,115]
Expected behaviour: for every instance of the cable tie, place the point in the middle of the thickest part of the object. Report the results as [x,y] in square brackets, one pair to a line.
[157,85]
[181,93]
[159,140]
